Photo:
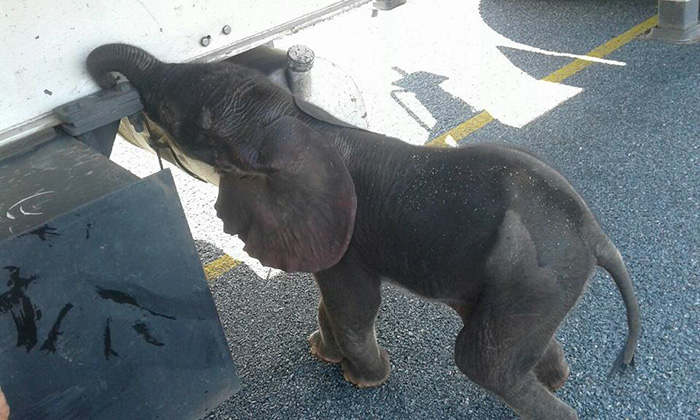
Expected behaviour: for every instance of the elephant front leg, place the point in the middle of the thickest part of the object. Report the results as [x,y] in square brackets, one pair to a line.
[350,300]
[322,341]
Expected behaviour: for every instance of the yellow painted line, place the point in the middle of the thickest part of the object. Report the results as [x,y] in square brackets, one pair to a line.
[462,130]
[602,51]
[219,266]
[475,123]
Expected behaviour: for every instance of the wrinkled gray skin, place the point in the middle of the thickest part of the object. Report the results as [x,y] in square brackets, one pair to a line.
[491,231]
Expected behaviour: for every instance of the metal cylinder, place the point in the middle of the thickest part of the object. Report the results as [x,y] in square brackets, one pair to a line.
[678,14]
[678,22]
[300,58]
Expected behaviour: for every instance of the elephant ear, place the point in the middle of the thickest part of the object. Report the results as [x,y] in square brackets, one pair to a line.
[295,207]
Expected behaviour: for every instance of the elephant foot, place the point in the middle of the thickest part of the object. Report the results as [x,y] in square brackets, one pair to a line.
[319,349]
[552,370]
[553,378]
[555,383]
[368,376]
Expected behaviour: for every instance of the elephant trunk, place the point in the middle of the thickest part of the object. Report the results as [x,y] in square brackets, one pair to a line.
[134,63]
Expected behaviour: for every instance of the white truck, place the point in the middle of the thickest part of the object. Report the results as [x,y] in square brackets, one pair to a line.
[104,308]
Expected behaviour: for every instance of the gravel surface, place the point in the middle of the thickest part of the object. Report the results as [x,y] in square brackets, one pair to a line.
[628,141]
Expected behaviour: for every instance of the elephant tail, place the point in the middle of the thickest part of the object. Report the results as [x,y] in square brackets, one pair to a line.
[609,258]
[133,62]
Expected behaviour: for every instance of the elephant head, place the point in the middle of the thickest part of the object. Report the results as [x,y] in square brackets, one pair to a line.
[284,189]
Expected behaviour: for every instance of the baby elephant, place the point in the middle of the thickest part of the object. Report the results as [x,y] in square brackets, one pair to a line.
[491,231]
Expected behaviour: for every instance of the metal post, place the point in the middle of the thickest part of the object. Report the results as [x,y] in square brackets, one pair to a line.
[678,22]
[300,59]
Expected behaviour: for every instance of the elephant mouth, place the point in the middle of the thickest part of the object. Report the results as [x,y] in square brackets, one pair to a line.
[199,162]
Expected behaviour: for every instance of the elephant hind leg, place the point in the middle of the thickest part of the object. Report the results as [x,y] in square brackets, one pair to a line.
[552,369]
[498,347]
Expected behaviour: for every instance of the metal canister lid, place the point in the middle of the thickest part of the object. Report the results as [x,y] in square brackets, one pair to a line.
[300,58]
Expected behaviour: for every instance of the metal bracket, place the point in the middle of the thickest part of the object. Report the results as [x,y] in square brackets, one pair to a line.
[678,22]
[94,119]
[98,109]
[101,139]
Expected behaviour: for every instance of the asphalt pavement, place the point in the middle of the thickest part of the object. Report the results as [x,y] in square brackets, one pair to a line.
[626,136]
